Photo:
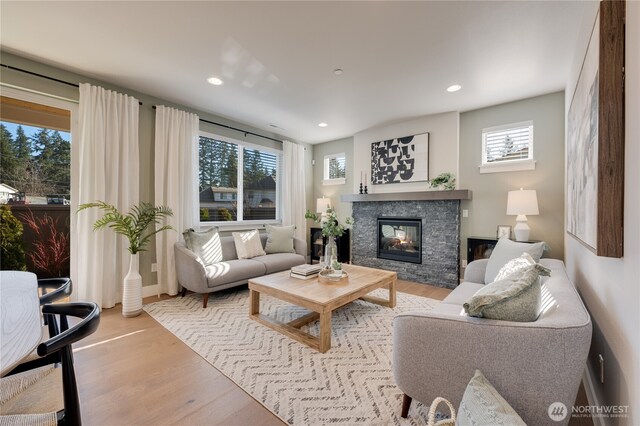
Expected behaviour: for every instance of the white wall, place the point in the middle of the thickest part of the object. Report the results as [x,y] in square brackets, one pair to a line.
[611,287]
[333,191]
[443,148]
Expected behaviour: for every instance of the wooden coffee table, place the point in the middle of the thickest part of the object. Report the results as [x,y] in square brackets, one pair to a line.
[320,297]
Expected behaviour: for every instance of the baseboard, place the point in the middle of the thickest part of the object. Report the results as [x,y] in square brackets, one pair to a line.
[150,290]
[587,381]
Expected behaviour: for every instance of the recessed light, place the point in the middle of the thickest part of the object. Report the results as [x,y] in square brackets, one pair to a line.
[454,88]
[215,81]
[322,124]
[338,71]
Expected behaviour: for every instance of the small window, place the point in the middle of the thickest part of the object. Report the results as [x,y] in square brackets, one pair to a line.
[335,170]
[507,148]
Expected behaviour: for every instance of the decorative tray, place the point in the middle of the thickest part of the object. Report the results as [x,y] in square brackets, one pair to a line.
[332,275]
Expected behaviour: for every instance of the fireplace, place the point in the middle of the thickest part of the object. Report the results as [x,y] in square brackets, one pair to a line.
[400,239]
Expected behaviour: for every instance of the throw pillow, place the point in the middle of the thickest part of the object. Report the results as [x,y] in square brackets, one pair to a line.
[482,405]
[206,245]
[280,239]
[515,298]
[248,244]
[515,266]
[505,250]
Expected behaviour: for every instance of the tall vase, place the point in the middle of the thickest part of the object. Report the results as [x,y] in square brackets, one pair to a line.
[330,253]
[132,289]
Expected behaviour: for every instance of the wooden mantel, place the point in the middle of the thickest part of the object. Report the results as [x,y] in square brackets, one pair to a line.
[457,194]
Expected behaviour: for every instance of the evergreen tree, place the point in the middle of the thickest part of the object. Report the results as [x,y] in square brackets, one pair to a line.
[60,173]
[8,160]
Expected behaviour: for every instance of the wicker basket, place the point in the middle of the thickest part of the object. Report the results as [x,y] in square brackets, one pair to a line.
[431,421]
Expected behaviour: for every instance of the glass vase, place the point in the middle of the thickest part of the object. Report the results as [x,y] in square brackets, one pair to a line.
[330,253]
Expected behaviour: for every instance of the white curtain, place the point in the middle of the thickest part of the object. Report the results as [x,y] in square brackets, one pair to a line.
[104,167]
[294,202]
[176,183]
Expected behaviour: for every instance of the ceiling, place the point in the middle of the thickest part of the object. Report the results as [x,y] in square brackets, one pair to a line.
[277,58]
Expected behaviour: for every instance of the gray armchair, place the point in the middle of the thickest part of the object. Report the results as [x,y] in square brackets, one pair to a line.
[532,365]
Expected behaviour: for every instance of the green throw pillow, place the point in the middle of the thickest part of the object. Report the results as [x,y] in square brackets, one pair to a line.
[515,298]
[206,245]
[279,239]
[482,405]
[505,250]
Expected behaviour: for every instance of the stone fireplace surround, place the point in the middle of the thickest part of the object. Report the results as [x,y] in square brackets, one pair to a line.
[440,214]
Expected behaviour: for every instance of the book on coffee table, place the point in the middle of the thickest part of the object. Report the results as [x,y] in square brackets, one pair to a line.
[306,270]
[303,277]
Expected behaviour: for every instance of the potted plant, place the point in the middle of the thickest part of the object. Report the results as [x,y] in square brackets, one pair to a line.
[332,229]
[133,226]
[446,180]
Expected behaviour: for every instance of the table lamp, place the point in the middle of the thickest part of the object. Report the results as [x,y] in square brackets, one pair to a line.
[522,203]
[322,205]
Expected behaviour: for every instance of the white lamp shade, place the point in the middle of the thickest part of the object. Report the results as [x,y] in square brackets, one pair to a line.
[323,204]
[522,202]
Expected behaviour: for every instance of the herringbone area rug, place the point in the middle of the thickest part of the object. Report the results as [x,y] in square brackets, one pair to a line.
[350,384]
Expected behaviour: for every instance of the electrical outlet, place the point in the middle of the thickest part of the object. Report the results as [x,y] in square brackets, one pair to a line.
[601,361]
[464,263]
[465,213]
[154,267]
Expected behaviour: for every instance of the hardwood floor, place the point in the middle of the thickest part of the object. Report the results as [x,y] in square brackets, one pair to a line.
[135,372]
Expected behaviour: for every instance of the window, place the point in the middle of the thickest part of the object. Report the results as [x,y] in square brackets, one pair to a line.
[35,145]
[507,148]
[237,181]
[334,169]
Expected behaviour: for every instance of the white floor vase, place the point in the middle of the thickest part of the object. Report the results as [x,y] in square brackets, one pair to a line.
[132,289]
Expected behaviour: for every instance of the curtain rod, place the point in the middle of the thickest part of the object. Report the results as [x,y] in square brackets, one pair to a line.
[246,132]
[44,76]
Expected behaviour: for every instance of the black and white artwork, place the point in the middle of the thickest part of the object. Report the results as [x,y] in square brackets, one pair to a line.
[400,160]
[582,150]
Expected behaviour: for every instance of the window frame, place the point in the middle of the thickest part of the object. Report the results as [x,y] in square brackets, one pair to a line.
[327,180]
[241,224]
[518,164]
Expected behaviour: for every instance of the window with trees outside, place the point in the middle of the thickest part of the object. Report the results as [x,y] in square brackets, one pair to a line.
[507,148]
[237,181]
[335,170]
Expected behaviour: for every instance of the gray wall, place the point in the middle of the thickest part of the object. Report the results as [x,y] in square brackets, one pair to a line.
[609,287]
[333,191]
[488,208]
[146,127]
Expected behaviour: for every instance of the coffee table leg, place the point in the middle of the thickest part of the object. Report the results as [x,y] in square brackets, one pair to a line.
[254,302]
[325,332]
[392,294]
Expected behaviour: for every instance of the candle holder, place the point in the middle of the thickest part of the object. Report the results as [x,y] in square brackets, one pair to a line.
[366,189]
[360,187]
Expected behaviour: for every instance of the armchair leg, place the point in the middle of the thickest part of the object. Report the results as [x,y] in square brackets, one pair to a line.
[205,299]
[184,291]
[406,403]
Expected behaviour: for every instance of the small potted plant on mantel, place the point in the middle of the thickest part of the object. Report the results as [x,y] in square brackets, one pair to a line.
[133,226]
[445,180]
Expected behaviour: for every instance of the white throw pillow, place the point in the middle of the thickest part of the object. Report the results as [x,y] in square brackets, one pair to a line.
[505,250]
[248,244]
[206,245]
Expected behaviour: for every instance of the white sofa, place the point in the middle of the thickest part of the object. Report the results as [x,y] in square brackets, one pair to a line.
[231,272]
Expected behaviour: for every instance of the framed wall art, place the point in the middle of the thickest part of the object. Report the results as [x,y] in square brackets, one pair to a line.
[595,138]
[400,160]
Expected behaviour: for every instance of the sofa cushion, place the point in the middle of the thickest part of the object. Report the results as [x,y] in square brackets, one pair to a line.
[482,405]
[277,262]
[462,293]
[515,266]
[516,298]
[232,271]
[279,239]
[505,250]
[248,244]
[206,245]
